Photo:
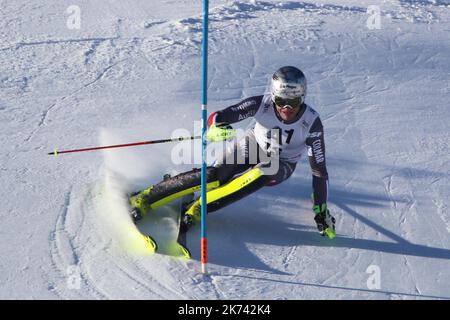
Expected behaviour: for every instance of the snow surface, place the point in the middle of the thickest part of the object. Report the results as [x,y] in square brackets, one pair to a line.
[132,73]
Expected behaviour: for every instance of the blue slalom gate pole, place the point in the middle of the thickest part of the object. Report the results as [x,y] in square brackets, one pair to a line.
[204,239]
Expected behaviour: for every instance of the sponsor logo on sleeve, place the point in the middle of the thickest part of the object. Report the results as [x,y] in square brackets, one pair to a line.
[245,116]
[317,151]
[315,135]
[244,105]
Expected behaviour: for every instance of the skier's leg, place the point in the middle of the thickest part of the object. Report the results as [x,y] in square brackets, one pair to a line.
[171,189]
[249,182]
[235,161]
[242,156]
[236,189]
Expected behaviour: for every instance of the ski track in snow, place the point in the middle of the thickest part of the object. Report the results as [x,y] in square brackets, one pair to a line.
[45,114]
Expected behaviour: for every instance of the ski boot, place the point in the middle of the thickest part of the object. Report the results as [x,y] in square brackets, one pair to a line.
[325,222]
[139,205]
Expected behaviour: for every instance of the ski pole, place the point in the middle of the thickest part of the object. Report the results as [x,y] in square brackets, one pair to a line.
[56,152]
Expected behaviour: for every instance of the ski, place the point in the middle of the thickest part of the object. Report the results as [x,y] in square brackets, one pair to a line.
[150,243]
[179,246]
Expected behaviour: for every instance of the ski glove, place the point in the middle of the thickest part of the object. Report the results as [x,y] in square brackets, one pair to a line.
[324,220]
[220,132]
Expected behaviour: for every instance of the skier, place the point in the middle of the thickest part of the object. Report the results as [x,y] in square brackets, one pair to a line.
[285,128]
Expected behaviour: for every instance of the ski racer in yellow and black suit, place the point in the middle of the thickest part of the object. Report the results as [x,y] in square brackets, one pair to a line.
[285,128]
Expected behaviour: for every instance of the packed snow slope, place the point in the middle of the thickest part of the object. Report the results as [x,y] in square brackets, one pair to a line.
[131,72]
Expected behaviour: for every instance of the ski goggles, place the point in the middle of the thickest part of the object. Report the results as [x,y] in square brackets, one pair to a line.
[287,103]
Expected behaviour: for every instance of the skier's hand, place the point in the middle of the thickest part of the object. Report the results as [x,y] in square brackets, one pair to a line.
[220,132]
[325,221]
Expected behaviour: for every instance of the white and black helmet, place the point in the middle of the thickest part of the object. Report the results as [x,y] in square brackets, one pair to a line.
[288,83]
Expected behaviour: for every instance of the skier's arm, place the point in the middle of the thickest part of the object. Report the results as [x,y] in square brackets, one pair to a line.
[316,153]
[235,113]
